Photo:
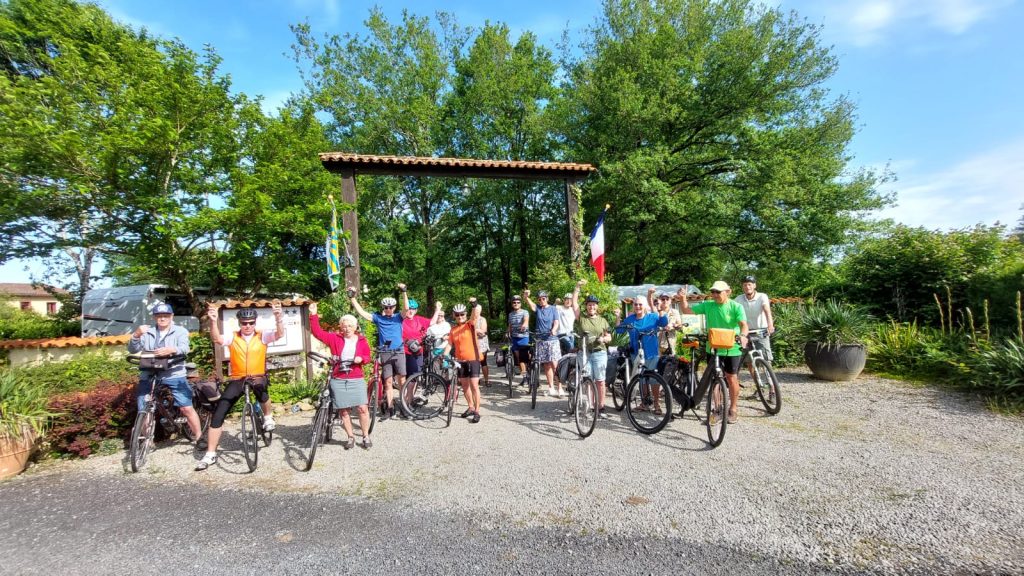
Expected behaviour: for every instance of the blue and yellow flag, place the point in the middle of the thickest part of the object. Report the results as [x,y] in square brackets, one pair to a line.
[333,249]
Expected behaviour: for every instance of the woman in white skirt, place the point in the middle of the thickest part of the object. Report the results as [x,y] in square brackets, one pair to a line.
[348,386]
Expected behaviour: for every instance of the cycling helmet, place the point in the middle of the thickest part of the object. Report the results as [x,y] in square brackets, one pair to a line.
[592,298]
[162,309]
[246,314]
[413,304]
[749,278]
[459,309]
[388,302]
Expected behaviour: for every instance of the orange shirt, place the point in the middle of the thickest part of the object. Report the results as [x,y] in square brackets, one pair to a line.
[248,358]
[463,340]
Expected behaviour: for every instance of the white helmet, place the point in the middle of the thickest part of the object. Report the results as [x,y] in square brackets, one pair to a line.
[388,302]
[459,309]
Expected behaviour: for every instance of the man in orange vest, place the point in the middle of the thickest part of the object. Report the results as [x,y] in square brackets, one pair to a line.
[248,355]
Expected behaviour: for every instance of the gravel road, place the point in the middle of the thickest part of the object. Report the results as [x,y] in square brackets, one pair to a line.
[874,476]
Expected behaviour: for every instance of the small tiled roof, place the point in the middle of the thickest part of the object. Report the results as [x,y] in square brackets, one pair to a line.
[70,342]
[399,165]
[261,303]
[21,289]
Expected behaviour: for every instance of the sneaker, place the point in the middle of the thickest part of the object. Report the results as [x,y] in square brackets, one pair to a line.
[475,418]
[367,443]
[349,444]
[418,401]
[200,443]
[561,393]
[268,423]
[383,416]
[208,460]
[602,414]
[551,392]
[467,413]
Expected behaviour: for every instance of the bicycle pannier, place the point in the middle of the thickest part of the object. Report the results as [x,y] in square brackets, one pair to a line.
[153,363]
[499,356]
[721,338]
[208,391]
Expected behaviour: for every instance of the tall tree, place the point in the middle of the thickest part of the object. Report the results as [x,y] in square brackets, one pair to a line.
[716,139]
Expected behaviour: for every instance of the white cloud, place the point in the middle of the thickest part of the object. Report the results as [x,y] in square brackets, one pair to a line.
[867,23]
[984,188]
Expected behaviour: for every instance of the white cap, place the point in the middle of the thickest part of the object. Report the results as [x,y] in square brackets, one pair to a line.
[720,285]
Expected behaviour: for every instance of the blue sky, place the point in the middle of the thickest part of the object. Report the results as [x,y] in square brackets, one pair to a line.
[939,84]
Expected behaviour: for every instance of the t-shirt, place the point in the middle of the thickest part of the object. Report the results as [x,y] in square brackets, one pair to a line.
[413,329]
[667,338]
[754,309]
[546,317]
[389,329]
[648,323]
[566,319]
[464,344]
[593,328]
[728,316]
[516,319]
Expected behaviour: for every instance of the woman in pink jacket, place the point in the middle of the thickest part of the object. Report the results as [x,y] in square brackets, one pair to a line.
[348,386]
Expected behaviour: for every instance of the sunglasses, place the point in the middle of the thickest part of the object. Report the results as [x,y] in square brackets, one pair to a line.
[249,323]
[389,307]
[716,291]
[460,314]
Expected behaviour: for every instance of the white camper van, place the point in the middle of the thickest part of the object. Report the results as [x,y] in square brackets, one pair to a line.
[114,311]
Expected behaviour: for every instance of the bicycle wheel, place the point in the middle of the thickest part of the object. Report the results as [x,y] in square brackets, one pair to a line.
[767,386]
[510,372]
[648,402]
[373,404]
[250,437]
[586,407]
[534,385]
[318,429]
[426,393]
[618,386]
[716,410]
[267,435]
[452,394]
[142,438]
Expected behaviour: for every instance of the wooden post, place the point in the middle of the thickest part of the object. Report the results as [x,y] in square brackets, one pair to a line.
[350,222]
[572,209]
[307,344]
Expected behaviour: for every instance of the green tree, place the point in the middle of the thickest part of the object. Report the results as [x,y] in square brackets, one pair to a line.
[716,139]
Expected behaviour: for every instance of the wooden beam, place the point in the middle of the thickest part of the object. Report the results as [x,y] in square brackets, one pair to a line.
[350,222]
[572,210]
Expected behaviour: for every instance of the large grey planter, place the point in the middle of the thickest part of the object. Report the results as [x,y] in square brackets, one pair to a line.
[836,363]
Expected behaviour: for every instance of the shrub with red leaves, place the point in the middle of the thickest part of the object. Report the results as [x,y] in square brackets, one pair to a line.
[87,418]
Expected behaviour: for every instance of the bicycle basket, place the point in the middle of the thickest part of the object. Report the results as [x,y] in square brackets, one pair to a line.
[721,338]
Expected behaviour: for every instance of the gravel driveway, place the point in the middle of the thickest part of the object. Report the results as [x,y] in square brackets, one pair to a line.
[874,476]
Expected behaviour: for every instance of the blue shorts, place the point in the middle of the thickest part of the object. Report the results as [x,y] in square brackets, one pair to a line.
[520,343]
[598,361]
[180,390]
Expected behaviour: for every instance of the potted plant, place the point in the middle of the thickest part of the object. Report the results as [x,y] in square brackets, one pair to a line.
[833,336]
[23,419]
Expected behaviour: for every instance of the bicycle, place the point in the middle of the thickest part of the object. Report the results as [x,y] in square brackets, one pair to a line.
[623,373]
[640,388]
[252,425]
[433,391]
[688,391]
[323,420]
[583,398]
[159,407]
[375,386]
[766,385]
[530,377]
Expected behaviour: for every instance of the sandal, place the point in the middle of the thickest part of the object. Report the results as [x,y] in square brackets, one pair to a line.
[657,411]
[733,418]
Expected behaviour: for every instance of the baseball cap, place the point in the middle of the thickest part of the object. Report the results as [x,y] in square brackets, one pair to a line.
[517,298]
[542,294]
[749,278]
[720,285]
[592,298]
[162,308]
[664,296]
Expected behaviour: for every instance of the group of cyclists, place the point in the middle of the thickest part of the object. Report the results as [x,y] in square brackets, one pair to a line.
[402,339]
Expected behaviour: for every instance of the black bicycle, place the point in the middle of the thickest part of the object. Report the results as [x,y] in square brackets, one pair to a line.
[252,425]
[650,406]
[322,426]
[434,390]
[766,385]
[159,408]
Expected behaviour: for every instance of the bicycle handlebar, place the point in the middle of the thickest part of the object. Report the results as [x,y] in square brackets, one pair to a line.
[135,358]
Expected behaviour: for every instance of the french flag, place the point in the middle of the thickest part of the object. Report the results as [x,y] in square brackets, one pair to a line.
[597,246]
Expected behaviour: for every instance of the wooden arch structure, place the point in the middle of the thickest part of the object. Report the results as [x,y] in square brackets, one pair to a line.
[348,165]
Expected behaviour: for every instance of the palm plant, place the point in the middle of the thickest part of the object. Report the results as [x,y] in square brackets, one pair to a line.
[831,324]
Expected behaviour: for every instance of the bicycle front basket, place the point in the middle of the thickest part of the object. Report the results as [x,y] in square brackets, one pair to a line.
[721,338]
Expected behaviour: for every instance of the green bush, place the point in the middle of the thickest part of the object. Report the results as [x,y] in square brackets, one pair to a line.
[784,352]
[80,373]
[998,369]
[904,349]
[18,324]
[22,405]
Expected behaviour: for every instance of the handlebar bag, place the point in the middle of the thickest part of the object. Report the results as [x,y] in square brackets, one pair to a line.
[154,363]
[721,338]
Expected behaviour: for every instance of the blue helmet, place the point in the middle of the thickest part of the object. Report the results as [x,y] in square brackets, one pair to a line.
[414,304]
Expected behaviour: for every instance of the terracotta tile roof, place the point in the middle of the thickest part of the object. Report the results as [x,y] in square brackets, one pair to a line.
[70,342]
[20,289]
[261,303]
[411,162]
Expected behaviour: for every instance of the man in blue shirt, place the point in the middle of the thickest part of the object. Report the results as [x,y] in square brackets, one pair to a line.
[548,350]
[643,321]
[389,336]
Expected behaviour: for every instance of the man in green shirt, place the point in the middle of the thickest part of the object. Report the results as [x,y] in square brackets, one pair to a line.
[723,312]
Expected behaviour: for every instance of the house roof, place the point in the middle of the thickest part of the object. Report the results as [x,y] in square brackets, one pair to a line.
[21,289]
[453,167]
[69,342]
